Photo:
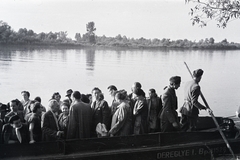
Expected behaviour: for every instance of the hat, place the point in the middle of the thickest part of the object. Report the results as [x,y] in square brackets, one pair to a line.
[175,80]
[69,92]
[198,73]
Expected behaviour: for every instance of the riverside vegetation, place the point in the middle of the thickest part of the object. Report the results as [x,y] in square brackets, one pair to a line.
[28,37]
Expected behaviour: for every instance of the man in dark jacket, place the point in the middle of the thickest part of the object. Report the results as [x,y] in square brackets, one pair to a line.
[50,127]
[80,118]
[191,106]
[169,116]
[15,131]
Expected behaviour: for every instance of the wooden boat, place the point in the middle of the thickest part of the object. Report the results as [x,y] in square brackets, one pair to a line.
[203,144]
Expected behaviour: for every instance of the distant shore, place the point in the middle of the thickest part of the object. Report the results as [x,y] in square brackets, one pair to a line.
[216,46]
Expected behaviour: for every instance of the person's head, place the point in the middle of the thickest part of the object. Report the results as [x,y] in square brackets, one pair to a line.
[135,86]
[15,121]
[32,103]
[53,105]
[175,81]
[197,75]
[112,90]
[25,95]
[37,99]
[37,108]
[152,92]
[69,93]
[85,98]
[76,96]
[65,108]
[56,96]
[13,105]
[96,93]
[120,96]
[139,92]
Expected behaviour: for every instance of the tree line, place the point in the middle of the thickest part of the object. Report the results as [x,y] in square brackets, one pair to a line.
[27,36]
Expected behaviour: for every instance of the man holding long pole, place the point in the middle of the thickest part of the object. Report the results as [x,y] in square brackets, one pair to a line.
[192,96]
[191,106]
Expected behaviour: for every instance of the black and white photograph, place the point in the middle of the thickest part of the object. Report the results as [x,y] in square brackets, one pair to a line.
[120,79]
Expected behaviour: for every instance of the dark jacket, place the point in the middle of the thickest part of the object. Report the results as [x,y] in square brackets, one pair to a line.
[140,114]
[169,114]
[9,133]
[101,114]
[191,105]
[122,120]
[19,113]
[80,118]
[49,127]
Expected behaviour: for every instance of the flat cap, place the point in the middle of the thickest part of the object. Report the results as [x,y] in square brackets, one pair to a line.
[198,73]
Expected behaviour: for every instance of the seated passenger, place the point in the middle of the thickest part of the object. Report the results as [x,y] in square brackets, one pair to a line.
[15,131]
[121,120]
[15,111]
[34,122]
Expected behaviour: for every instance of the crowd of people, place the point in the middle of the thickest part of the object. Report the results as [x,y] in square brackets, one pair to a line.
[86,116]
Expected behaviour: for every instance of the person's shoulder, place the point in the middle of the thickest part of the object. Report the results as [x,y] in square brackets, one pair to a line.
[6,126]
[9,114]
[47,113]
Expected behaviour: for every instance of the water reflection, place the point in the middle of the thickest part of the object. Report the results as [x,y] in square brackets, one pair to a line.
[90,59]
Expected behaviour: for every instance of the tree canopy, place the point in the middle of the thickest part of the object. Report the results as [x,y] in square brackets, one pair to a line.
[221,11]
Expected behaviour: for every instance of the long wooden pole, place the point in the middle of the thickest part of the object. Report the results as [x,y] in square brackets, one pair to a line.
[213,117]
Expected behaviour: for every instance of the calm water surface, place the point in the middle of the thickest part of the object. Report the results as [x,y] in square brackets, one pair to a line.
[43,72]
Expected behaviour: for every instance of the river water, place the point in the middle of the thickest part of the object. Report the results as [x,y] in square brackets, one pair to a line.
[45,71]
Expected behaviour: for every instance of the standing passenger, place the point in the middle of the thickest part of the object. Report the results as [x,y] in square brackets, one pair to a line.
[132,96]
[140,113]
[50,127]
[112,90]
[121,120]
[64,118]
[57,96]
[68,95]
[80,118]
[34,122]
[191,106]
[38,99]
[25,102]
[154,107]
[101,111]
[169,116]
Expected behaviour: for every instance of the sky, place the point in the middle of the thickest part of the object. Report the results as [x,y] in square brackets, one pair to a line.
[133,18]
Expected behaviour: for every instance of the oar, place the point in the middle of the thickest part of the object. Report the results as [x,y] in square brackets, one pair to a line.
[213,117]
